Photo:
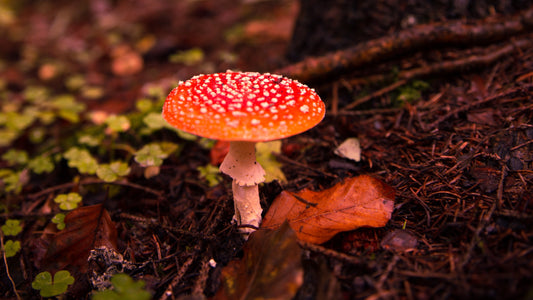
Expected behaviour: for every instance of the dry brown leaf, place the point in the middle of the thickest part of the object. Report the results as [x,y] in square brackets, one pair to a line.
[271,267]
[86,228]
[316,217]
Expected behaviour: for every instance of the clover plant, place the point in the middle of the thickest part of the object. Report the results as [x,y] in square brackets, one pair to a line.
[11,227]
[50,288]
[124,287]
[11,248]
[68,201]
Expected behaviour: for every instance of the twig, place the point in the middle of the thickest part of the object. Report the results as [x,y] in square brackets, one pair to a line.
[375,94]
[7,267]
[507,93]
[89,181]
[155,224]
[429,35]
[331,253]
[472,61]
[169,292]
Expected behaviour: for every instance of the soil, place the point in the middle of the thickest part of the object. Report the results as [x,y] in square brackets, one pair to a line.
[456,146]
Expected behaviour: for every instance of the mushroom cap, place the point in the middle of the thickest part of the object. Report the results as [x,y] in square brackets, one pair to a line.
[243,106]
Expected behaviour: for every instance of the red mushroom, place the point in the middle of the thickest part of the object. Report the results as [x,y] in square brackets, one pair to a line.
[243,108]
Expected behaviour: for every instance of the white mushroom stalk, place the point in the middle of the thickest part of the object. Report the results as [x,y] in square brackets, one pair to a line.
[241,165]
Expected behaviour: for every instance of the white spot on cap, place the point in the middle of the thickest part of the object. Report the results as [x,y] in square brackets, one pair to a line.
[304,108]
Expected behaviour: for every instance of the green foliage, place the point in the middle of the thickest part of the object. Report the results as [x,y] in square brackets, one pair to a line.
[265,157]
[7,136]
[68,108]
[48,288]
[211,174]
[117,123]
[59,220]
[90,140]
[11,248]
[82,160]
[144,105]
[12,181]
[111,172]
[11,227]
[41,164]
[412,91]
[154,121]
[68,201]
[124,287]
[188,57]
[153,154]
[15,157]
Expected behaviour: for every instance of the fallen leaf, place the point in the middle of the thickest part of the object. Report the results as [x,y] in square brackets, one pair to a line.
[316,217]
[399,240]
[271,267]
[267,159]
[218,152]
[350,149]
[126,61]
[86,228]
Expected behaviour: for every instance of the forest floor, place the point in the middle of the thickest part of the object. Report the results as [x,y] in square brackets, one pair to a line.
[456,144]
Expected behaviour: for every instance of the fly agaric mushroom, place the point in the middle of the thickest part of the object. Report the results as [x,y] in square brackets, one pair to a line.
[243,108]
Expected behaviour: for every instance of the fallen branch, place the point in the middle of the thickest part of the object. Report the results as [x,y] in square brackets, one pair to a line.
[473,61]
[423,36]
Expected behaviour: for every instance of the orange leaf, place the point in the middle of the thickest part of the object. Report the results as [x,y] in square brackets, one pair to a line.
[86,228]
[316,217]
[271,267]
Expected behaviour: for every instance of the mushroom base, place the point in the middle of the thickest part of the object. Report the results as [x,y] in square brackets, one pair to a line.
[247,206]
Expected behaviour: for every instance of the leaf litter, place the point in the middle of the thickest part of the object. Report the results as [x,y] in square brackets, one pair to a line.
[361,201]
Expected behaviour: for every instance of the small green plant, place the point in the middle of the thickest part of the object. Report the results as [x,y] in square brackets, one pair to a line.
[153,154]
[68,201]
[15,157]
[124,287]
[111,172]
[11,248]
[13,181]
[48,288]
[117,123]
[82,160]
[41,164]
[411,92]
[59,220]
[11,227]
[210,173]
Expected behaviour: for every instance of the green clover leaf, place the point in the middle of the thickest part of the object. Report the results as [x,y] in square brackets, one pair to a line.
[111,172]
[13,181]
[68,201]
[211,174]
[41,164]
[59,220]
[150,155]
[11,248]
[15,157]
[12,227]
[124,288]
[267,159]
[68,108]
[117,123]
[81,159]
[43,283]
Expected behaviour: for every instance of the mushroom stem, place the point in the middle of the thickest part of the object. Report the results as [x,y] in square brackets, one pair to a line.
[247,206]
[241,165]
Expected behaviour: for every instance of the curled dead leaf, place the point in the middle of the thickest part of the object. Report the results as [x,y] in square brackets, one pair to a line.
[271,267]
[86,228]
[316,217]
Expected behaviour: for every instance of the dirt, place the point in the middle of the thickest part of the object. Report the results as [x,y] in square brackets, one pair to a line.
[458,154]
